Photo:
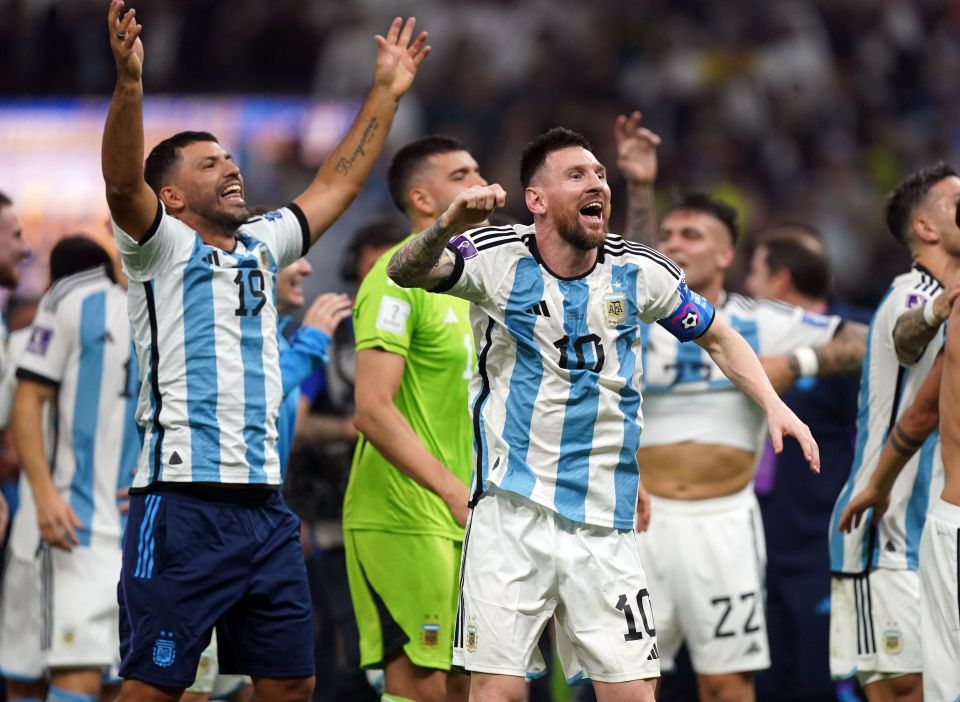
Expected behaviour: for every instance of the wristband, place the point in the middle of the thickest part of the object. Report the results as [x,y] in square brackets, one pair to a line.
[930,317]
[807,362]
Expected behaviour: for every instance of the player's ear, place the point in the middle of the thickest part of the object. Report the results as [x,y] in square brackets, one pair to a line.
[924,230]
[172,198]
[534,199]
[422,202]
[726,255]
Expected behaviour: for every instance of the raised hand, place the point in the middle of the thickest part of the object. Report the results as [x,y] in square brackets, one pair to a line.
[125,41]
[472,206]
[327,311]
[398,59]
[636,149]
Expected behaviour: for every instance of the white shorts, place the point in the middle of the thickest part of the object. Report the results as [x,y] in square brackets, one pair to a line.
[875,625]
[81,615]
[523,563]
[939,605]
[705,562]
[20,654]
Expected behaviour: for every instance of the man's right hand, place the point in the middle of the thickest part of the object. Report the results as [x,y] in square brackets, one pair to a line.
[327,311]
[57,521]
[943,303]
[458,501]
[472,206]
[127,50]
[869,497]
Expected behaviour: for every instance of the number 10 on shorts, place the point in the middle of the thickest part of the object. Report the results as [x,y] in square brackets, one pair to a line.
[642,602]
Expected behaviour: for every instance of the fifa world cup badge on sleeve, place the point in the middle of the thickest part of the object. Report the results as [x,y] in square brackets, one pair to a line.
[464,246]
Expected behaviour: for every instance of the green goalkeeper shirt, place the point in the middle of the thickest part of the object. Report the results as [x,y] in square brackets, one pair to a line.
[433,335]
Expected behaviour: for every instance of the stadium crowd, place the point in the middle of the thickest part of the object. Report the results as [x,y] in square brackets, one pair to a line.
[781,146]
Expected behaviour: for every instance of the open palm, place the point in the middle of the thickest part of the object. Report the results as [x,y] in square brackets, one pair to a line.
[398,59]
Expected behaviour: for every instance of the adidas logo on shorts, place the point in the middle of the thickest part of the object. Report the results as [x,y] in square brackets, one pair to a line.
[654,654]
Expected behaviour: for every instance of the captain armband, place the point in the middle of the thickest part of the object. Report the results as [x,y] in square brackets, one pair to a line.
[692,318]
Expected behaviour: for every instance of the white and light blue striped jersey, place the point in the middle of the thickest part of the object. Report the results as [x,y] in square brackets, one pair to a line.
[686,395]
[80,344]
[24,533]
[205,327]
[556,399]
[886,390]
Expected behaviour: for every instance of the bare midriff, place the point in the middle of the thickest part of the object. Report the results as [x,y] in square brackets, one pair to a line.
[691,471]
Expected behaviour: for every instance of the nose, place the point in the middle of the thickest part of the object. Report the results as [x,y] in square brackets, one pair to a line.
[305,267]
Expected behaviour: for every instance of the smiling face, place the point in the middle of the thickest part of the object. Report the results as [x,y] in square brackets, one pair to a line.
[206,182]
[571,192]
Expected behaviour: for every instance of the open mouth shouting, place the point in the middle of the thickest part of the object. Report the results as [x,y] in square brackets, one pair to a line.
[592,213]
[233,193]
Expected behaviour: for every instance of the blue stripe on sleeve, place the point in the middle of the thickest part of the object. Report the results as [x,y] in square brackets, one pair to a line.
[526,377]
[580,416]
[93,314]
[200,357]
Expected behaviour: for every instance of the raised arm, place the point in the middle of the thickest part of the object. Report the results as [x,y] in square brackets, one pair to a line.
[916,328]
[842,355]
[424,262]
[133,205]
[637,161]
[910,432]
[740,364]
[344,172]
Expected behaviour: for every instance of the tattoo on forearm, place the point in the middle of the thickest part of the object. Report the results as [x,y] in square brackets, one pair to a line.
[912,334]
[415,259]
[641,215]
[843,354]
[345,164]
[903,443]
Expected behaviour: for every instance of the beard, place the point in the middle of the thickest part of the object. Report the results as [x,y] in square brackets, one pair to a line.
[572,231]
[227,217]
[9,275]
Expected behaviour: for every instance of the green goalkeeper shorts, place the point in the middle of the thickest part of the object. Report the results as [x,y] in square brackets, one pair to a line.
[404,589]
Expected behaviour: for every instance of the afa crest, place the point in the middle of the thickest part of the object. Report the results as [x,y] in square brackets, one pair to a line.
[164,650]
[431,634]
[264,258]
[893,641]
[472,636]
[615,307]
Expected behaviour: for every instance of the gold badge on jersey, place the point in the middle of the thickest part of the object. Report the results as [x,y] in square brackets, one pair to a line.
[892,642]
[264,258]
[472,636]
[615,306]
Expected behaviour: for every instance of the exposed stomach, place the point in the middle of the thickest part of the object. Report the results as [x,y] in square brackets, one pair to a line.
[693,471]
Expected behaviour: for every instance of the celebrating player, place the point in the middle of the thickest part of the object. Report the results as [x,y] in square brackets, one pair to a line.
[210,541]
[557,307]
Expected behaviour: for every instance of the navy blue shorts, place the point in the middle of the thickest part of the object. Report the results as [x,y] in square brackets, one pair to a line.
[213,557]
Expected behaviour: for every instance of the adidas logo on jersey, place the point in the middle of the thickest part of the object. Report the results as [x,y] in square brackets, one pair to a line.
[539,308]
[753,649]
[654,654]
[890,548]
[175,459]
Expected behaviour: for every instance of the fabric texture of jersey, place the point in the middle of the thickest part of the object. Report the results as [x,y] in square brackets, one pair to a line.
[886,390]
[556,402]
[940,601]
[205,326]
[80,344]
[686,395]
[432,334]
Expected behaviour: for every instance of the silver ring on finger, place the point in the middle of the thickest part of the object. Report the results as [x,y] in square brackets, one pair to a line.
[120,35]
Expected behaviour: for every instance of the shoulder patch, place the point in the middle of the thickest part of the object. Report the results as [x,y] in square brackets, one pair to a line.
[466,248]
[392,315]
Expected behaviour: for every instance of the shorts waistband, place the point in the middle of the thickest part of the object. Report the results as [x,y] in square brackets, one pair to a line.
[242,495]
[947,511]
[736,501]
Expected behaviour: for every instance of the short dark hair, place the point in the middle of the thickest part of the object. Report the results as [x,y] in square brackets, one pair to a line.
[809,269]
[76,253]
[165,155]
[410,157]
[5,201]
[701,202]
[377,231]
[535,153]
[908,194]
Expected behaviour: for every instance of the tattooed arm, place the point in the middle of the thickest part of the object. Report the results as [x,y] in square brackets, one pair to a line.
[916,423]
[347,168]
[911,334]
[424,262]
[637,161]
[842,355]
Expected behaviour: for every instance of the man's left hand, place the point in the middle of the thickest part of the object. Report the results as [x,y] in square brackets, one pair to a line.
[398,59]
